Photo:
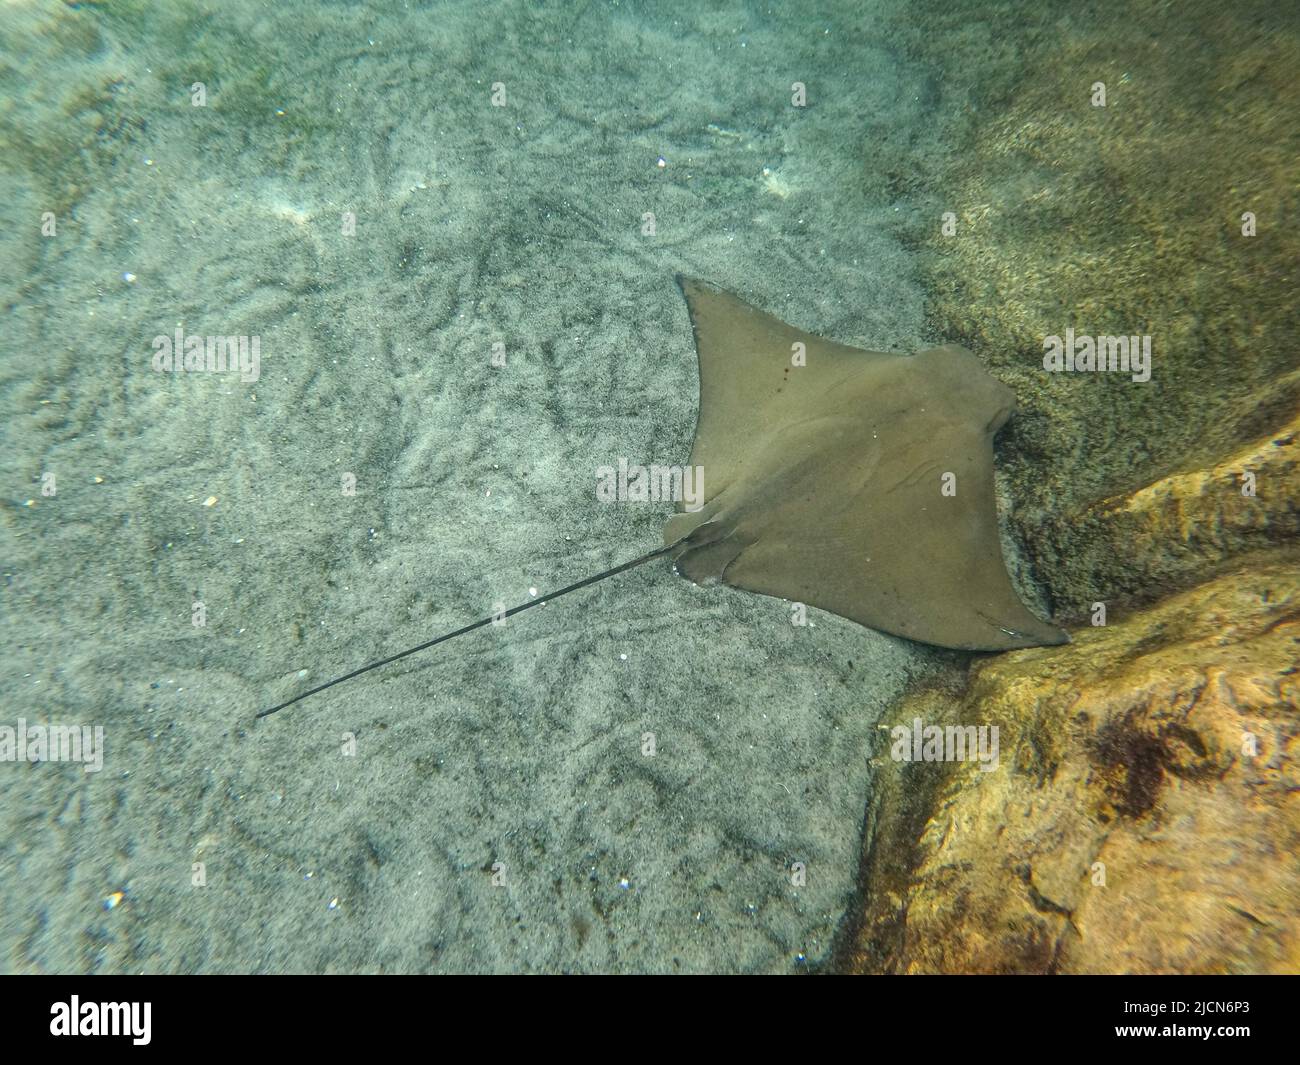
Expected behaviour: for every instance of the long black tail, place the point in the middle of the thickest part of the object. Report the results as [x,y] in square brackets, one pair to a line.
[471,627]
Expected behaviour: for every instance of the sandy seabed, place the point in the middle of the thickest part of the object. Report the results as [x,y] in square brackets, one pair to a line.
[489,805]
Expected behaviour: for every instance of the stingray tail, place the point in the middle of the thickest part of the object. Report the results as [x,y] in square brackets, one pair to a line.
[501,616]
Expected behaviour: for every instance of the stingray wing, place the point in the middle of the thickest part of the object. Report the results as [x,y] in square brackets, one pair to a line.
[746,366]
[860,483]
[891,550]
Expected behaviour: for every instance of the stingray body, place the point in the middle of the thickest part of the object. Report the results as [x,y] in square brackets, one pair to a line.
[859,482]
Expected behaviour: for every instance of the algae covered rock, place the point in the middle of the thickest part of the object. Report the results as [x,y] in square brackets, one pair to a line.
[1118,169]
[1115,171]
[1144,815]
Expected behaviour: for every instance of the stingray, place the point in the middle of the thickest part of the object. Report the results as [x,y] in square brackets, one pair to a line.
[859,482]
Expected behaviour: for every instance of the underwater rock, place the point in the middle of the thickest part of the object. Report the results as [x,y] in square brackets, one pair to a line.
[1118,172]
[1164,535]
[1144,815]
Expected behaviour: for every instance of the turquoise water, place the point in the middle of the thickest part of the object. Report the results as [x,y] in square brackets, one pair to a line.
[446,238]
[475,225]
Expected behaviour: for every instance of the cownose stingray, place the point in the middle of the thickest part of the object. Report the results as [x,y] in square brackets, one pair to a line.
[860,482]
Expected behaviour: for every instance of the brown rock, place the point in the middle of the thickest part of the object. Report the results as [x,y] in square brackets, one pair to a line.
[1144,815]
[1165,535]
